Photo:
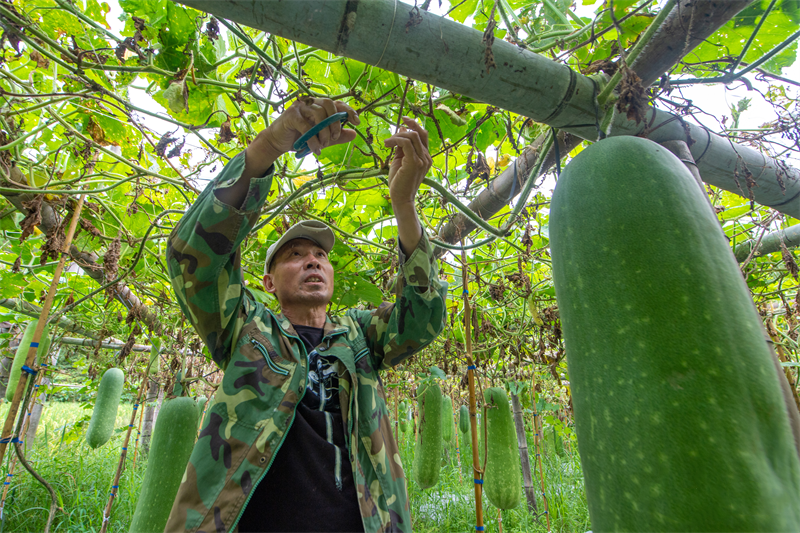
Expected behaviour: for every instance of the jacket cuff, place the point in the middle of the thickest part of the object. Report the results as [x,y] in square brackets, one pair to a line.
[416,268]
[232,173]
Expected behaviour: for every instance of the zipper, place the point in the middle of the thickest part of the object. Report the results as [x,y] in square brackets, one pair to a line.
[283,439]
[270,363]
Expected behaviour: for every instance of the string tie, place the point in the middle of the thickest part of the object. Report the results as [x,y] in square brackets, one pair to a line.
[29,370]
[478,481]
[471,367]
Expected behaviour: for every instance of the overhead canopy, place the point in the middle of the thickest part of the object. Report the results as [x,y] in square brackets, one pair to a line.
[447,54]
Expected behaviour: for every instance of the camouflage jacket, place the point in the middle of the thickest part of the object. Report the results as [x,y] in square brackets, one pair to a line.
[265,366]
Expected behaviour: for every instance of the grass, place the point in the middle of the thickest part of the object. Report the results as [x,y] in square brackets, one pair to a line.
[82,478]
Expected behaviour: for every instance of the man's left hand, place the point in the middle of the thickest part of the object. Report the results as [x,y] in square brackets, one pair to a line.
[410,164]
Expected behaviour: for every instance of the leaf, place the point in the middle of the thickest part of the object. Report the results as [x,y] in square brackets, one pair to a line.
[437,373]
[177,96]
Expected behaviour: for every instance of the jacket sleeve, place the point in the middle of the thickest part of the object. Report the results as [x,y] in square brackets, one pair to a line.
[395,331]
[203,259]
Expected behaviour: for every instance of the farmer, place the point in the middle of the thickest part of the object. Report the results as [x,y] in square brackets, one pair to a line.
[299,438]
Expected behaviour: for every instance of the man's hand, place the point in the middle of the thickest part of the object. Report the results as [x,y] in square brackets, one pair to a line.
[279,137]
[410,165]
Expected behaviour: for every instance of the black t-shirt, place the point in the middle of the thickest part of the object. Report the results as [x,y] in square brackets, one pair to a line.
[309,486]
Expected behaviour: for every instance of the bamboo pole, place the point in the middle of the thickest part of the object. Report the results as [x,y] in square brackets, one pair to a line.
[12,467]
[139,434]
[7,434]
[123,455]
[537,447]
[473,422]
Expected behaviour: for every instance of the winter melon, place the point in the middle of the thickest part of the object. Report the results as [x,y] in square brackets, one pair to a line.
[104,414]
[680,420]
[447,419]
[173,439]
[463,419]
[428,451]
[502,479]
[22,354]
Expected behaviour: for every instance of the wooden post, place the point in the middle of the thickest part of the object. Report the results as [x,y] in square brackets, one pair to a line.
[524,457]
[473,422]
[537,446]
[7,434]
[123,455]
[458,449]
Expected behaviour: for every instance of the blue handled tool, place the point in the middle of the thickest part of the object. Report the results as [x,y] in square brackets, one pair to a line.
[301,144]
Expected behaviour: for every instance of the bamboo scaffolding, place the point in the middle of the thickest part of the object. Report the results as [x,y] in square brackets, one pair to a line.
[7,434]
[473,422]
[123,455]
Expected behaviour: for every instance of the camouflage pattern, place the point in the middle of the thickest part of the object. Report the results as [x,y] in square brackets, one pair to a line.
[266,370]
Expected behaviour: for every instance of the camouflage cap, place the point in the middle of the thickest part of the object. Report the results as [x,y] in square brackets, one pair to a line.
[313,230]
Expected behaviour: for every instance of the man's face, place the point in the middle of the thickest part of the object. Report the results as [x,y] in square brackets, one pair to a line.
[300,274]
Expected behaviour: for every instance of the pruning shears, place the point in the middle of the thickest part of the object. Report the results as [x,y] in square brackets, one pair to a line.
[301,144]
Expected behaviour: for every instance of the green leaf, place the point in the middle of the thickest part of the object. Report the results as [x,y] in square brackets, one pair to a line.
[437,373]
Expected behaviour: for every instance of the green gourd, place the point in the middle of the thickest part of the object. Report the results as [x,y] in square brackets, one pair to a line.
[403,425]
[679,415]
[428,451]
[171,446]
[447,420]
[502,479]
[463,419]
[22,354]
[104,414]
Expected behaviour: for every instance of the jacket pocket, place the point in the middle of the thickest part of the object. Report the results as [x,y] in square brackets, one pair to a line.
[270,356]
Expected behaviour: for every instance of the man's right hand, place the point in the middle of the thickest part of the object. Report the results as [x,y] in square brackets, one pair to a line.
[300,117]
[280,137]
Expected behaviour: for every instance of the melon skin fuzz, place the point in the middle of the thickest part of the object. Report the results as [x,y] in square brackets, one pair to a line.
[679,416]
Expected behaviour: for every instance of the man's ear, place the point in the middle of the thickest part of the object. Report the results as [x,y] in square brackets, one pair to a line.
[269,283]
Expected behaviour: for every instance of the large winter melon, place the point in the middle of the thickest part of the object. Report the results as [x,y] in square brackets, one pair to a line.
[428,451]
[22,354]
[173,439]
[502,479]
[680,420]
[104,414]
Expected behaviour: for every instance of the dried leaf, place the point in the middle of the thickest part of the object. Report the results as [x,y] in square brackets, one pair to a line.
[632,96]
[17,265]
[212,29]
[176,150]
[788,260]
[41,61]
[33,218]
[163,144]
[225,133]
[96,132]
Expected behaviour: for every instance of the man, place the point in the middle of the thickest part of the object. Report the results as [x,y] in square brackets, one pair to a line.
[299,438]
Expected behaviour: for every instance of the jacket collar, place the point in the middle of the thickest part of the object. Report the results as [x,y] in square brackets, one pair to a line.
[330,328]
